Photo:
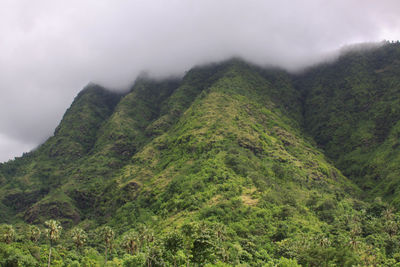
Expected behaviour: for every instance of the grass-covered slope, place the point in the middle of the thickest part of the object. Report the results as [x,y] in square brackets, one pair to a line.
[76,134]
[235,157]
[352,109]
[231,136]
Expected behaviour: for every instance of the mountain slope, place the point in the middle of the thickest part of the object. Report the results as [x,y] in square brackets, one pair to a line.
[30,178]
[352,109]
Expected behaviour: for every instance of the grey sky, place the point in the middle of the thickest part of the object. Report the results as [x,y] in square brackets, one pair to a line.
[50,49]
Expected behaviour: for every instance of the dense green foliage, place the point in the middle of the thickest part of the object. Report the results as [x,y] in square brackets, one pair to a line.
[232,164]
[352,109]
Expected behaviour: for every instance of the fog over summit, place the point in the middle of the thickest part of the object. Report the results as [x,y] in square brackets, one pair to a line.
[51,49]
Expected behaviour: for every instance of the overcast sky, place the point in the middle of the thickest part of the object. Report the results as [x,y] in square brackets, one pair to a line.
[50,49]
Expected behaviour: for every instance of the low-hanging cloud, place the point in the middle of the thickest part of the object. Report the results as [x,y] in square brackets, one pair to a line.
[50,49]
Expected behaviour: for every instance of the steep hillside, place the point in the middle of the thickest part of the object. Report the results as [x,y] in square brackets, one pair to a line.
[235,158]
[27,180]
[352,109]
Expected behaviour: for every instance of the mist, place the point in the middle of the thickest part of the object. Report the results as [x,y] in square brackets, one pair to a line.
[49,50]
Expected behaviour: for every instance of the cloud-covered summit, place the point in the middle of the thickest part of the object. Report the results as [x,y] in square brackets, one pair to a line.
[51,49]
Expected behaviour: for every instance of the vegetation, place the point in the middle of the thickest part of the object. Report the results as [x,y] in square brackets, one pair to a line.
[352,109]
[231,165]
[79,237]
[53,231]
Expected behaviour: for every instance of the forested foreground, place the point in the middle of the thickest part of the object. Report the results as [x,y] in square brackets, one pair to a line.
[367,237]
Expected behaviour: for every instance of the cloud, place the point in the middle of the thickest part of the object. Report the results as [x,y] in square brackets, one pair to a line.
[50,49]
[11,147]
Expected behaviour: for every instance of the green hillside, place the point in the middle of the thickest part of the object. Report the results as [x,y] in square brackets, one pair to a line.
[352,109]
[230,165]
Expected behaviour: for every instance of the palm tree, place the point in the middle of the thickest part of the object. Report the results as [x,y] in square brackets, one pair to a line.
[146,235]
[388,214]
[9,234]
[53,232]
[130,242]
[221,235]
[79,237]
[34,233]
[173,242]
[108,237]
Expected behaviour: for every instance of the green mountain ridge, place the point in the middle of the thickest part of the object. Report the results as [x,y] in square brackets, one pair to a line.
[355,117]
[292,167]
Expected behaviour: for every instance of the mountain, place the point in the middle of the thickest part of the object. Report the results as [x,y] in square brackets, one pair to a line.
[352,109]
[231,164]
